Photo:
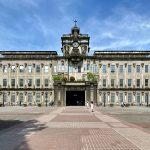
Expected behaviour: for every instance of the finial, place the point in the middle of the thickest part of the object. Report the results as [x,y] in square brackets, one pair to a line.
[75,23]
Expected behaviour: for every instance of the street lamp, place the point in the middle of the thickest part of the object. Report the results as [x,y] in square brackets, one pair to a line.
[46,99]
[104,99]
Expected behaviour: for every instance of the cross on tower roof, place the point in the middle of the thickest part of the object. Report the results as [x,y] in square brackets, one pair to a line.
[75,23]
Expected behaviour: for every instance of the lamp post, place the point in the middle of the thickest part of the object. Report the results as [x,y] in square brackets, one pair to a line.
[104,99]
[46,99]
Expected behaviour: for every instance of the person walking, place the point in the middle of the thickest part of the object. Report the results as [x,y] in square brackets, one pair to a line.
[92,106]
[87,104]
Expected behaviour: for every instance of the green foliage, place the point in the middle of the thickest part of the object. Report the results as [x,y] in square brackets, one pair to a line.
[91,76]
[72,78]
[57,78]
[64,79]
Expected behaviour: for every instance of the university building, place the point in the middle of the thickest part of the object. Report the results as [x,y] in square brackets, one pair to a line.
[27,77]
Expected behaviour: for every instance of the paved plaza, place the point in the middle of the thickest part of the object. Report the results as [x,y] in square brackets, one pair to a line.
[74,128]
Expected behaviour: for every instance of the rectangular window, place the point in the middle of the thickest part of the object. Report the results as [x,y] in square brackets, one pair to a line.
[4,68]
[120,68]
[112,68]
[121,83]
[38,97]
[129,68]
[146,68]
[30,97]
[129,82]
[4,82]
[13,68]
[21,68]
[37,82]
[12,82]
[29,68]
[21,97]
[104,68]
[46,82]
[79,68]
[104,82]
[38,68]
[146,82]
[138,68]
[138,82]
[88,66]
[12,97]
[29,82]
[121,97]
[46,69]
[112,82]
[112,97]
[129,97]
[21,82]
[138,97]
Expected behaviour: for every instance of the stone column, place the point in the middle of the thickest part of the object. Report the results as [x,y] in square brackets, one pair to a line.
[117,97]
[17,98]
[100,99]
[125,80]
[34,100]
[42,70]
[42,99]
[134,73]
[117,69]
[108,97]
[142,98]
[142,71]
[108,76]
[125,97]
[25,98]
[134,97]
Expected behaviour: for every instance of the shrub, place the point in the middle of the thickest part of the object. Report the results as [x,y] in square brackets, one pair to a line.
[91,76]
[57,78]
[1,104]
[72,78]
[25,105]
[127,104]
[39,105]
[64,79]
[111,104]
[132,104]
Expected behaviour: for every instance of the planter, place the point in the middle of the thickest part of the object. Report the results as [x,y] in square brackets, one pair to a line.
[111,104]
[39,105]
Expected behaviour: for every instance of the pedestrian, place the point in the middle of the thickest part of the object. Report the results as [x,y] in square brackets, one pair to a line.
[87,104]
[92,106]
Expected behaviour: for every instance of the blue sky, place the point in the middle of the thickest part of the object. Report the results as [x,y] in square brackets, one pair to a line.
[39,24]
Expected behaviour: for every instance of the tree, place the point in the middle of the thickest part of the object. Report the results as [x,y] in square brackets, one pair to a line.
[91,76]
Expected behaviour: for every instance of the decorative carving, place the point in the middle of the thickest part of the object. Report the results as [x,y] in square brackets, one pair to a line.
[84,49]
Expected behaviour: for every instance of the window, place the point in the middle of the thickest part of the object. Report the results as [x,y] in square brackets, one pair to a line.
[46,69]
[46,82]
[121,82]
[138,82]
[129,68]
[121,97]
[138,68]
[120,68]
[5,97]
[21,82]
[5,68]
[129,97]
[88,66]
[21,68]
[29,82]
[29,68]
[129,82]
[13,68]
[112,68]
[21,97]
[38,97]
[146,97]
[104,82]
[112,82]
[146,82]
[37,68]
[37,82]
[4,82]
[30,97]
[12,97]
[146,68]
[12,82]
[138,97]
[79,68]
[112,97]
[104,68]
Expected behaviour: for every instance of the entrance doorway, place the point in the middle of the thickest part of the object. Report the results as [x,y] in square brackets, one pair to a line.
[75,98]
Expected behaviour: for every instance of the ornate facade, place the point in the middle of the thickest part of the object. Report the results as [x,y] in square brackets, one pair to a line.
[26,77]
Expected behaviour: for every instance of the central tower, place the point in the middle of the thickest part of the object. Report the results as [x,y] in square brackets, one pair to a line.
[75,44]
